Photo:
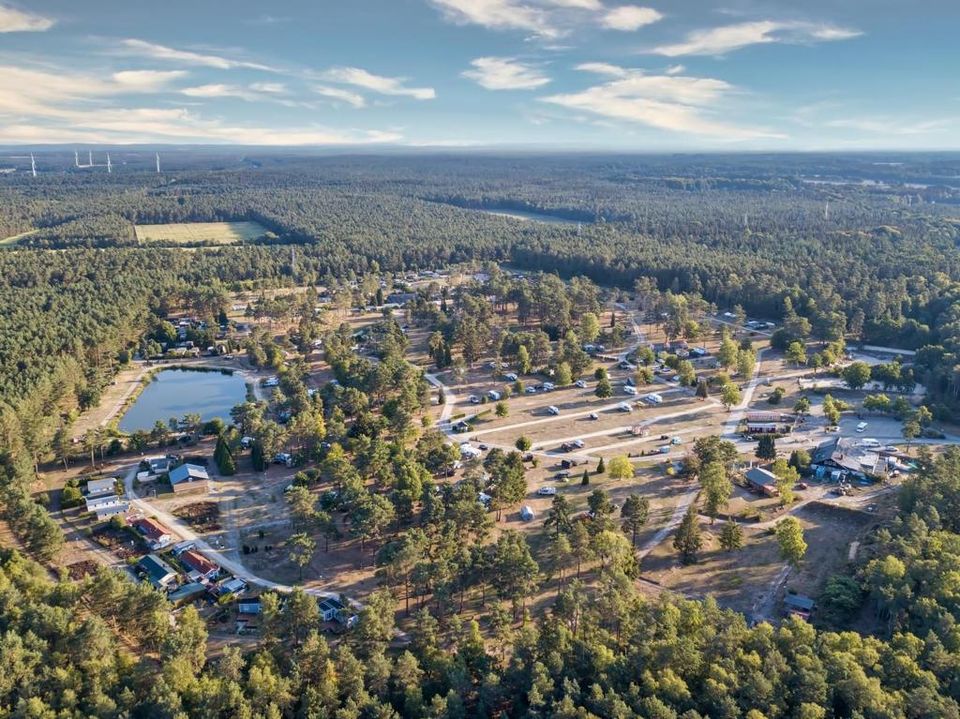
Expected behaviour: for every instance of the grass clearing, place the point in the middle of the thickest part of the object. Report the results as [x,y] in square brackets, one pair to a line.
[15,239]
[195,233]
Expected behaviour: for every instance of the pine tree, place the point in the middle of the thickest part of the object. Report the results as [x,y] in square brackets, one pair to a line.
[257,458]
[604,389]
[601,467]
[585,479]
[702,392]
[767,447]
[731,536]
[688,540]
[224,458]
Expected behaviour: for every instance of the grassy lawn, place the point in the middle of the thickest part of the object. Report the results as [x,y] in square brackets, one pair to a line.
[221,233]
[15,239]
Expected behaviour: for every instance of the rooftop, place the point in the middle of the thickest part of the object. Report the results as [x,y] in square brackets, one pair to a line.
[760,476]
[188,473]
[196,561]
[150,528]
[157,569]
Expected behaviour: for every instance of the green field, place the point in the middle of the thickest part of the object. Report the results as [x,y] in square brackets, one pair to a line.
[192,233]
[15,239]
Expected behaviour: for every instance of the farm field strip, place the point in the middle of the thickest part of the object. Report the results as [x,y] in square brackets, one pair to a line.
[224,233]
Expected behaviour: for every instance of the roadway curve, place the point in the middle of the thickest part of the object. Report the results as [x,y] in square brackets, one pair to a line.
[205,548]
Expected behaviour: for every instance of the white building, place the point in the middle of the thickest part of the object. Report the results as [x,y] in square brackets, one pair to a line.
[107,506]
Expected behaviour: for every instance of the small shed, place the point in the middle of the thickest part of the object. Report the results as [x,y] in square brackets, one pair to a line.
[799,605]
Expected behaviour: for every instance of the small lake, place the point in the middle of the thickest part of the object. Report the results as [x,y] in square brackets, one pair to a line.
[174,393]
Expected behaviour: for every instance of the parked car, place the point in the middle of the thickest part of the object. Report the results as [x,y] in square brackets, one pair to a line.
[593,416]
[582,384]
[549,386]
[531,390]
[510,376]
[474,399]
[562,476]
[547,491]
[553,410]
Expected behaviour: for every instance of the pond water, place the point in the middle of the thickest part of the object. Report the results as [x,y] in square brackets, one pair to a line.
[174,393]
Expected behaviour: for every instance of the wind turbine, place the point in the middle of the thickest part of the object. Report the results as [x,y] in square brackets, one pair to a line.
[89,158]
[76,159]
[158,163]
[33,165]
[109,166]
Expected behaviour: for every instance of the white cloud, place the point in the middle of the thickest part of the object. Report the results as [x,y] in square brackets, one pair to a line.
[220,90]
[377,83]
[64,106]
[146,80]
[630,17]
[142,48]
[893,126]
[667,102]
[499,15]
[578,4]
[338,93]
[675,70]
[271,87]
[14,20]
[505,73]
[603,68]
[829,32]
[255,92]
[720,40]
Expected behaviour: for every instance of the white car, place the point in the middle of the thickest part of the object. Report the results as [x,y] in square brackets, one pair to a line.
[547,491]
[510,376]
[630,389]
[578,443]
[593,416]
[624,407]
[474,399]
[553,409]
[581,384]
[548,386]
[531,390]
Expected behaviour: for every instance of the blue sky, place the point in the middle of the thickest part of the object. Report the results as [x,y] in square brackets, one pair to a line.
[594,74]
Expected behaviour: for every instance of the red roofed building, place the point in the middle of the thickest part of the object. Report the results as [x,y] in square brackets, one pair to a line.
[200,567]
[156,535]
